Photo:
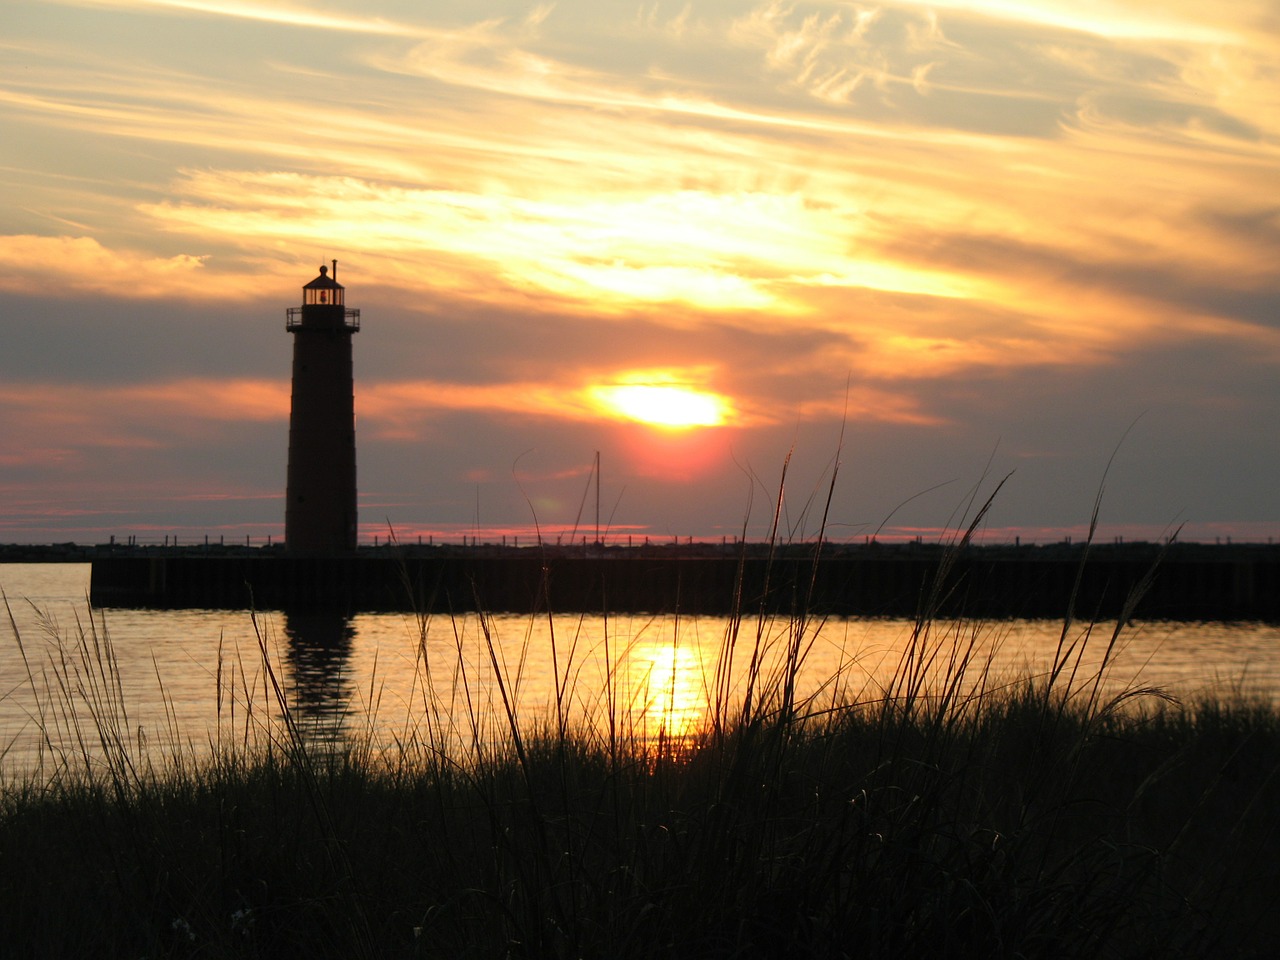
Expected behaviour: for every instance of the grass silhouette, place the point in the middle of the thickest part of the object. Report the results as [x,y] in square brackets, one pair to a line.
[952,813]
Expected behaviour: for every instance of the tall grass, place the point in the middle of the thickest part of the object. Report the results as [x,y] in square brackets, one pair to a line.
[955,812]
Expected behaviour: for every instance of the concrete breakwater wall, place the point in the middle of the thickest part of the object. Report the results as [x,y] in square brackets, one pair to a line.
[976,584]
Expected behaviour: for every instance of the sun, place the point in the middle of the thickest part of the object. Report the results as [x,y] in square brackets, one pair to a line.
[664,406]
[661,402]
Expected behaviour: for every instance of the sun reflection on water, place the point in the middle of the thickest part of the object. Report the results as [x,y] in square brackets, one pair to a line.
[669,691]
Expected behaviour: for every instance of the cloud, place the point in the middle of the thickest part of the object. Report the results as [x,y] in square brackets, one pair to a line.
[57,422]
[714,251]
[276,13]
[34,264]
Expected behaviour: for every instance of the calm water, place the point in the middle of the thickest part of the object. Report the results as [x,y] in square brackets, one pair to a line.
[184,680]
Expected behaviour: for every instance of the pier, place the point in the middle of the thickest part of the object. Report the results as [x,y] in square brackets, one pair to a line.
[1181,582]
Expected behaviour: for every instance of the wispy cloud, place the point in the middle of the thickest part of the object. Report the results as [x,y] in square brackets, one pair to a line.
[285,14]
[59,420]
[83,265]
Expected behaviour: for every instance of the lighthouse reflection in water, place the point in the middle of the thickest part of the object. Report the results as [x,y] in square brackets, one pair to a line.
[317,680]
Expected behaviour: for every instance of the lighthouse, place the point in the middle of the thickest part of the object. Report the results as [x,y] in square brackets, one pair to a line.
[320,495]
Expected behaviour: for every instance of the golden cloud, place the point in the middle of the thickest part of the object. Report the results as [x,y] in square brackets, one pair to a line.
[34,265]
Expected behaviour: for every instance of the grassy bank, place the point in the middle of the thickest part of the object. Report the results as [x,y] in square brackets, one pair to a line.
[952,814]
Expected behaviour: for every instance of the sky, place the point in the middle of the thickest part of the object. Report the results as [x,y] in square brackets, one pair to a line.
[874,262]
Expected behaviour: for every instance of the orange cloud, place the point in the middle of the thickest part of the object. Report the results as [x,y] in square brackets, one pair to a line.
[53,423]
[215,400]
[34,264]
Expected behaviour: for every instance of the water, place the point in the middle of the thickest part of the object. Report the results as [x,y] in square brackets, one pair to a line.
[186,682]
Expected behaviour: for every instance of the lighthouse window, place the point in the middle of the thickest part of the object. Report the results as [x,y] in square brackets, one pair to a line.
[324,296]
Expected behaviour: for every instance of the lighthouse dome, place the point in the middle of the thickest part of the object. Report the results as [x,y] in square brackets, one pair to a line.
[324,289]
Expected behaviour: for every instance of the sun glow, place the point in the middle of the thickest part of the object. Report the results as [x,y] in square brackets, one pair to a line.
[662,402]
[669,690]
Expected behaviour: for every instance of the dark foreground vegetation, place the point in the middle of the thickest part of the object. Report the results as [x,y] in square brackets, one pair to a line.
[951,814]
[951,817]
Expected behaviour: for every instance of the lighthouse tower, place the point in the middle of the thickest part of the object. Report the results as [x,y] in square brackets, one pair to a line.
[320,507]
